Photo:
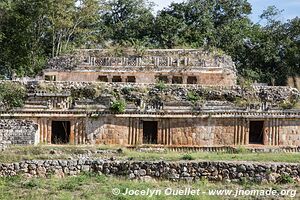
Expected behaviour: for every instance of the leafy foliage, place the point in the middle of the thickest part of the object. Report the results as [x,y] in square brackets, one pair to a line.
[12,94]
[187,157]
[118,106]
[193,96]
[160,85]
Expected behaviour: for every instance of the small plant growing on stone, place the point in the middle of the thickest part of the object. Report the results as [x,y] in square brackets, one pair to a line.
[193,96]
[160,85]
[285,178]
[244,182]
[118,106]
[287,105]
[240,102]
[127,90]
[187,157]
[246,84]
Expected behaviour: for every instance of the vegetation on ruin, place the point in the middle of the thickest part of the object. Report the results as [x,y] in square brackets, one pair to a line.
[286,105]
[159,93]
[118,106]
[31,32]
[88,92]
[44,152]
[95,186]
[193,96]
[161,85]
[12,94]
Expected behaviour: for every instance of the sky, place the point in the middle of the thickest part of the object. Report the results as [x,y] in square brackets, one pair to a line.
[291,7]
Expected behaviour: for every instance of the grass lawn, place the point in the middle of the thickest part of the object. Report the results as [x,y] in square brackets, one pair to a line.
[92,186]
[15,154]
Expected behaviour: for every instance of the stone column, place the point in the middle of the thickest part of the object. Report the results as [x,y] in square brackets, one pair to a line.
[169,79]
[49,131]
[41,130]
[160,130]
[185,61]
[184,79]
[109,78]
[123,78]
[76,131]
[72,132]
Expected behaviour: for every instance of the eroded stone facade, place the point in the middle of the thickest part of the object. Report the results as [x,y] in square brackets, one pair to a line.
[18,132]
[198,105]
[171,66]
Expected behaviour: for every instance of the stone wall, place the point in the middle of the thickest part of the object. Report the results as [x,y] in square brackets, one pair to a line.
[108,130]
[202,131]
[289,131]
[185,170]
[205,77]
[210,68]
[20,132]
[274,97]
[199,131]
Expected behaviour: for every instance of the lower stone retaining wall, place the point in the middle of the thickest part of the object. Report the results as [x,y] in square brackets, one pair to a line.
[185,170]
[20,132]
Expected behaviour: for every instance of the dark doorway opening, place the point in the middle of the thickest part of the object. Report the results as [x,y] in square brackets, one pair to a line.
[102,78]
[177,80]
[116,79]
[149,132]
[162,78]
[256,132]
[60,132]
[192,80]
[130,79]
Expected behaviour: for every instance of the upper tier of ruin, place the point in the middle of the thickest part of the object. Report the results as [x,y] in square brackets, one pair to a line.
[179,66]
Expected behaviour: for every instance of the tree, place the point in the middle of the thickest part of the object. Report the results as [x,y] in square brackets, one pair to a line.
[33,30]
[22,28]
[127,20]
[70,18]
[168,28]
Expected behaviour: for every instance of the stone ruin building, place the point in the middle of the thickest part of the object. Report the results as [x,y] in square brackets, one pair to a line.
[166,97]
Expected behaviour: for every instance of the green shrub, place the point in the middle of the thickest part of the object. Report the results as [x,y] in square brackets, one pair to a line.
[285,178]
[240,102]
[127,90]
[287,105]
[160,85]
[187,157]
[12,94]
[193,96]
[118,106]
[88,92]
[32,184]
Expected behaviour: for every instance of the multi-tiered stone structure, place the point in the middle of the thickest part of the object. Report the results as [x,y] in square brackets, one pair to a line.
[167,98]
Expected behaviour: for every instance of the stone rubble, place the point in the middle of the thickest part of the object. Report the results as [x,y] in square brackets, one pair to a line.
[183,170]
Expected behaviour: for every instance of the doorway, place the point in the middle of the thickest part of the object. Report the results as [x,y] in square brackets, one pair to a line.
[256,132]
[192,80]
[149,132]
[60,132]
